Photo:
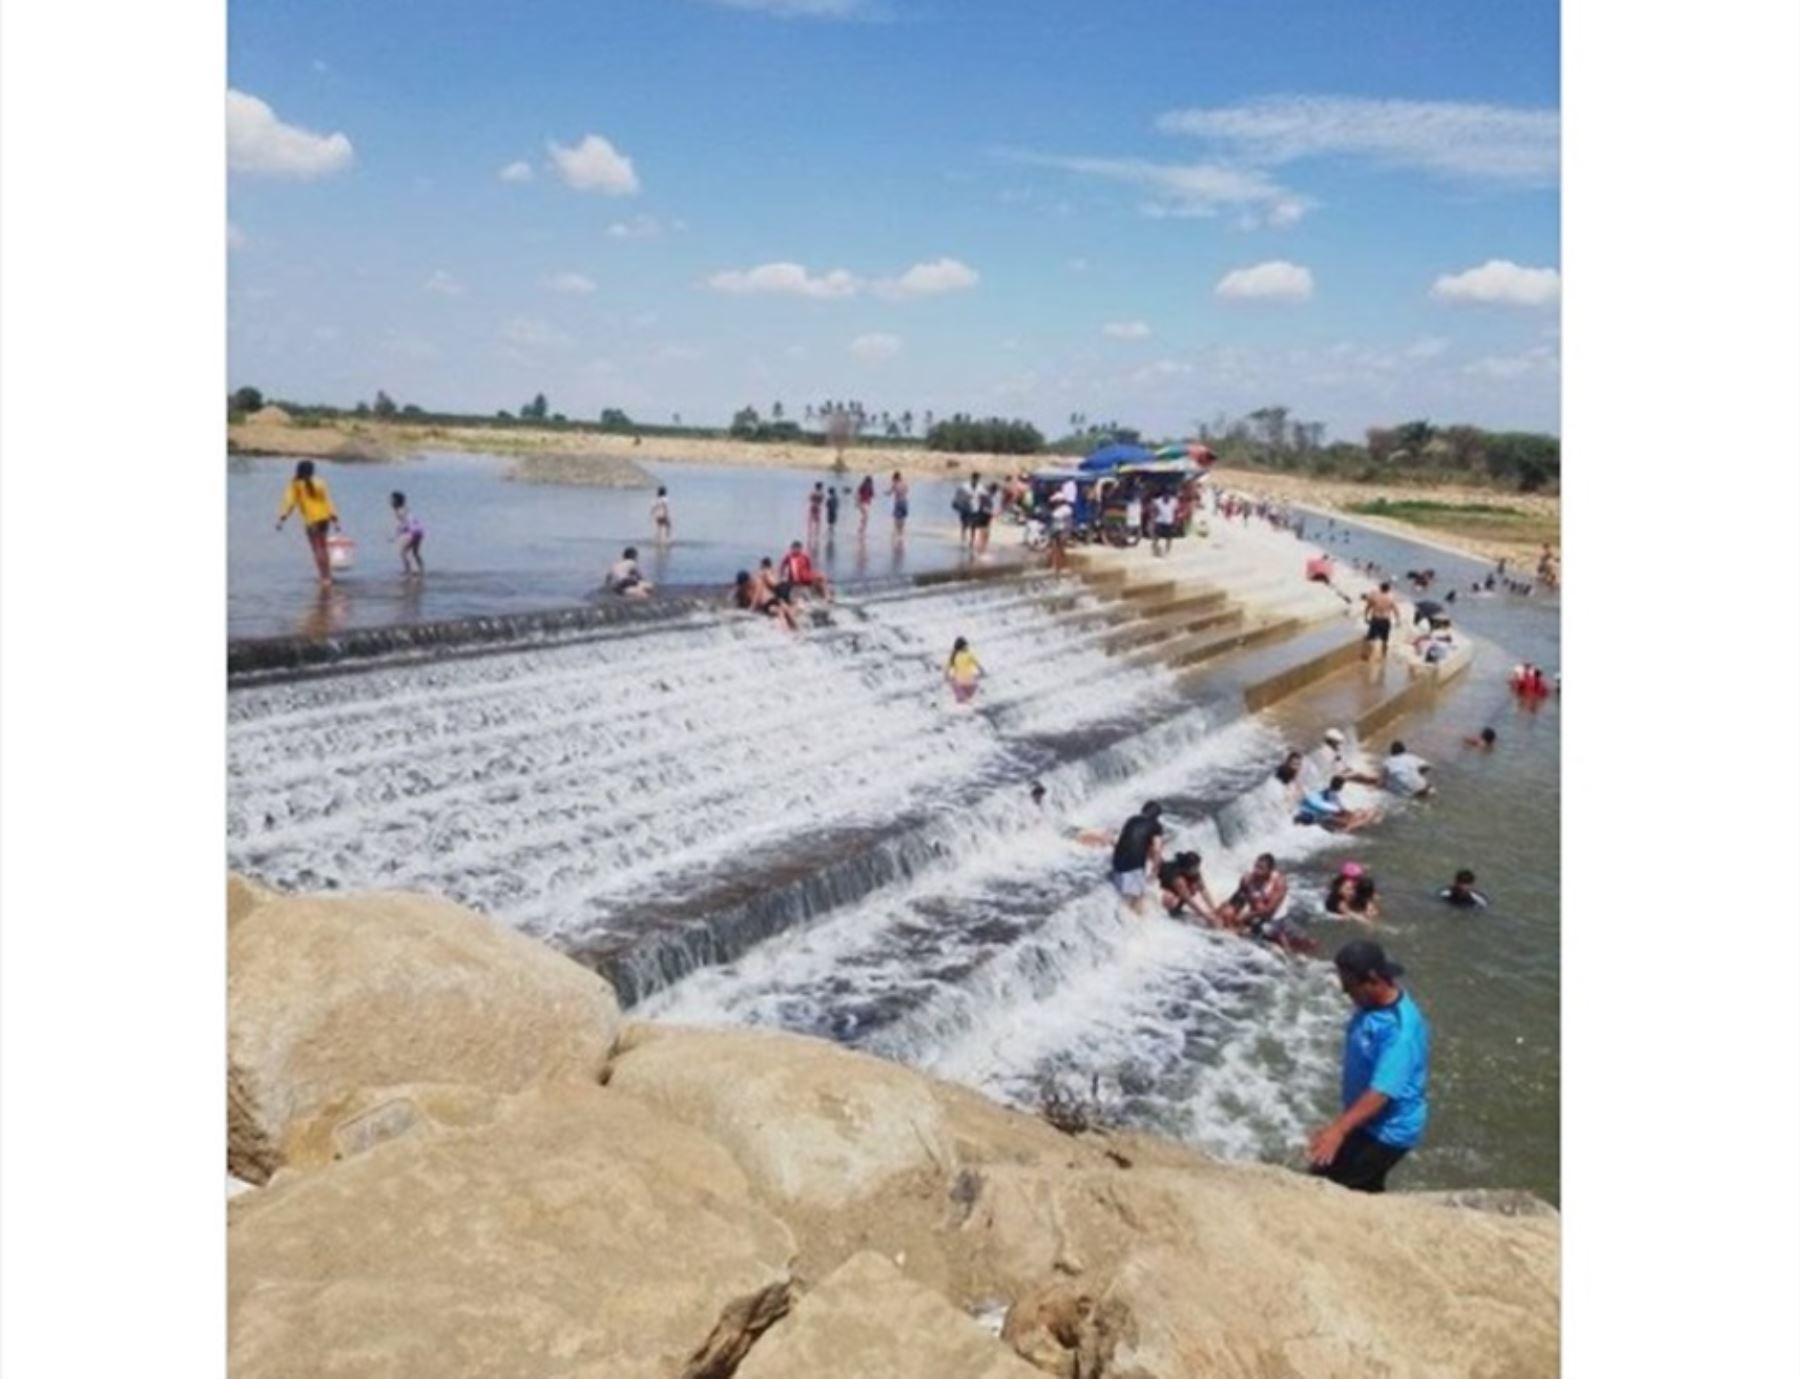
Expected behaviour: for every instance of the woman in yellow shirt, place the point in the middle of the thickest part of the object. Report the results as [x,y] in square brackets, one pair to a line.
[962,671]
[316,513]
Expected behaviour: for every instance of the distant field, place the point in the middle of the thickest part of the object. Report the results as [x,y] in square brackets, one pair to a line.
[1487,521]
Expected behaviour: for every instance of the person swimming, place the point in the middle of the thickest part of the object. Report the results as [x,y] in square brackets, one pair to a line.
[1337,894]
[1462,893]
[1326,809]
[1485,740]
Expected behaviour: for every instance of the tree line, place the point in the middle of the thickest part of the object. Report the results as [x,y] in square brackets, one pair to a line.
[1415,452]
[1272,437]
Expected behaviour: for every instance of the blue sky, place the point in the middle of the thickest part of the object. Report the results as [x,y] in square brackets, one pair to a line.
[1150,210]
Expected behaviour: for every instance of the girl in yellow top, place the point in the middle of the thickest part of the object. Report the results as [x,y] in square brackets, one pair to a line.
[962,671]
[316,513]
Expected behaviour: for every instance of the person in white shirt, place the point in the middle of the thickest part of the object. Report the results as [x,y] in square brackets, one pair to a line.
[1404,773]
[1062,524]
[1163,530]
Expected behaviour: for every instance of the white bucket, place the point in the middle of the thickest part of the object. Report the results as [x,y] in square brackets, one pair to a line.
[341,551]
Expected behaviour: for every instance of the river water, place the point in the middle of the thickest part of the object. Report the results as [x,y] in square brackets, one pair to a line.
[494,546]
[743,827]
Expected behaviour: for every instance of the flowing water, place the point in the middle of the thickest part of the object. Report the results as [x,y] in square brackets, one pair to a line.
[742,827]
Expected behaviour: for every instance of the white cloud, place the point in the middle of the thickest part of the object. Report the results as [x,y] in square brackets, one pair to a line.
[929,280]
[1190,190]
[234,237]
[638,227]
[1161,371]
[1430,347]
[576,284]
[806,9]
[594,165]
[1539,359]
[517,171]
[875,346]
[1285,213]
[1275,281]
[1126,330]
[442,283]
[791,279]
[1450,138]
[256,141]
[529,333]
[1500,281]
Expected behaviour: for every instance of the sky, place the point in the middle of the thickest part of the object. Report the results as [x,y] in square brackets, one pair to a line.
[1157,212]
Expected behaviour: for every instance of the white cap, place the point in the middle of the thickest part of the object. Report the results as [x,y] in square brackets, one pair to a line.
[1334,735]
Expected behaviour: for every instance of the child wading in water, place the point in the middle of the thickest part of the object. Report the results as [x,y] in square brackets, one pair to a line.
[963,671]
[409,531]
[316,512]
[659,514]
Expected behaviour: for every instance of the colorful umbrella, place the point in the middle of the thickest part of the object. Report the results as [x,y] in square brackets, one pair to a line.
[1112,456]
[1187,450]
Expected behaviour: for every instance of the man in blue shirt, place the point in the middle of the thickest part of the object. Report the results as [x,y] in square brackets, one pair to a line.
[1387,1057]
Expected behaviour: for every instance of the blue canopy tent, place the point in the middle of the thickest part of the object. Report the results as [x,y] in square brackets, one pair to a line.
[1110,457]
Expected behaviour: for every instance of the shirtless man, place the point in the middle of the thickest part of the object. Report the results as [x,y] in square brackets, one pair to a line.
[625,578]
[1379,611]
[1260,892]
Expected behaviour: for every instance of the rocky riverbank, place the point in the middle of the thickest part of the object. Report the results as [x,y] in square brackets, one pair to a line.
[453,1157]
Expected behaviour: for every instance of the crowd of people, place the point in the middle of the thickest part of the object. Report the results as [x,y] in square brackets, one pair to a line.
[1387,1042]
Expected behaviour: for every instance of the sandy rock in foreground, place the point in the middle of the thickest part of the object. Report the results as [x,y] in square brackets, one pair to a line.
[328,995]
[812,1124]
[578,1234]
[867,1320]
[242,895]
[422,1217]
[1242,1273]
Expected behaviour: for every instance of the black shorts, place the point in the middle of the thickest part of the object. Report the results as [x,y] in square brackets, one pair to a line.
[1362,1164]
[967,519]
[981,521]
[1379,628]
[784,593]
[1167,531]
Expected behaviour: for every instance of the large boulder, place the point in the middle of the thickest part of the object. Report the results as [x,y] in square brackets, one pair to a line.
[242,895]
[868,1321]
[566,1231]
[813,1125]
[329,995]
[1242,1272]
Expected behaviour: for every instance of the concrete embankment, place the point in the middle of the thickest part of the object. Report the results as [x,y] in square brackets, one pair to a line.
[464,1163]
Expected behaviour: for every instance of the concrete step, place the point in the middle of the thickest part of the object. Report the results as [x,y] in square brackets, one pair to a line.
[1148,630]
[1192,649]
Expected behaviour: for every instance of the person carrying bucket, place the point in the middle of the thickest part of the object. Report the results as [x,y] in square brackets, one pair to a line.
[309,495]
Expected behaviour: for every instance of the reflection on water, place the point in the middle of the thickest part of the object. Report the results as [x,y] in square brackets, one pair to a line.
[494,546]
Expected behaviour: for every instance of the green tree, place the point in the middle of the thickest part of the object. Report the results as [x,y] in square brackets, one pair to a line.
[247,399]
[384,405]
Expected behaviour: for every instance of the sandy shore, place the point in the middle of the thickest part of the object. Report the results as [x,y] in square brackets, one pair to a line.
[380,441]
[1543,512]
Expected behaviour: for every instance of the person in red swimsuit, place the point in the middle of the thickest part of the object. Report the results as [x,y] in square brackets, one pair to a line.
[798,572]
